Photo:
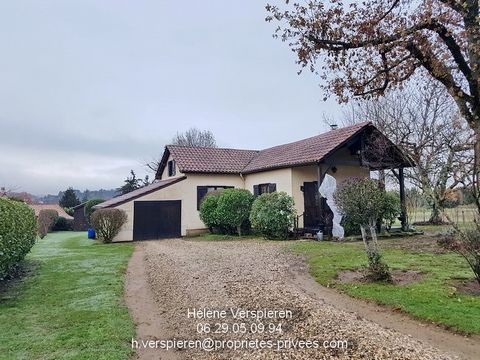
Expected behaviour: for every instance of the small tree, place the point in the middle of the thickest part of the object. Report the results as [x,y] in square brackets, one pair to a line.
[233,209]
[363,201]
[108,222]
[391,208]
[272,215]
[467,244]
[69,199]
[88,209]
[46,220]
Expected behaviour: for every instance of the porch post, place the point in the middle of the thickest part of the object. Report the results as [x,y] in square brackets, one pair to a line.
[403,203]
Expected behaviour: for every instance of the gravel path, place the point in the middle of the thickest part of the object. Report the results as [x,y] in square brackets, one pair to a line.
[252,275]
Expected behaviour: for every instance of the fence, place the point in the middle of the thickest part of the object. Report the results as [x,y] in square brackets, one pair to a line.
[460,215]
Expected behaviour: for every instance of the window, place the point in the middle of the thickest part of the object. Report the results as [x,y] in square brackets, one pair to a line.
[264,189]
[171,168]
[203,190]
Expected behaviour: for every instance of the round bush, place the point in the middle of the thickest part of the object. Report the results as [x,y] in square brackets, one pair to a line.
[233,209]
[208,209]
[88,209]
[18,229]
[273,214]
[46,221]
[108,222]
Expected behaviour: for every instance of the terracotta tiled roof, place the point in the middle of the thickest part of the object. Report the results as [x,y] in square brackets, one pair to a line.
[139,192]
[233,161]
[303,152]
[210,160]
[61,212]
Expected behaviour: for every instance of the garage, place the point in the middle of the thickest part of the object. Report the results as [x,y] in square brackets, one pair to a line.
[157,219]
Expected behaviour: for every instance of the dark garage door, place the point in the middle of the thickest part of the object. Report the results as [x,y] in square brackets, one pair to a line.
[157,219]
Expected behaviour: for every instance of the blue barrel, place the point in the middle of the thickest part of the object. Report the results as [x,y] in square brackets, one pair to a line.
[91,233]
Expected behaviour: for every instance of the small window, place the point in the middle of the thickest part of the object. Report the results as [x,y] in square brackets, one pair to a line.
[204,190]
[264,188]
[171,168]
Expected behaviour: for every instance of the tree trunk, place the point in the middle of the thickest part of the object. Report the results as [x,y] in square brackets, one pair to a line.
[435,216]
[476,169]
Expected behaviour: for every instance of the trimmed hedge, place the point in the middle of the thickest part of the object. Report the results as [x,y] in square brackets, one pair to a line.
[273,214]
[18,229]
[62,224]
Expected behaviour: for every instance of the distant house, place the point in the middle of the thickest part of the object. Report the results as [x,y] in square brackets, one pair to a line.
[79,218]
[61,212]
[170,206]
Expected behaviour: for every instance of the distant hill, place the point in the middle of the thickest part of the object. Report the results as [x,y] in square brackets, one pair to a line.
[82,196]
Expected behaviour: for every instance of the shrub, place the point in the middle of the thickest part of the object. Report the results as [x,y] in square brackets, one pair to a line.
[233,209]
[18,230]
[108,222]
[465,242]
[208,209]
[349,226]
[364,202]
[391,208]
[273,214]
[62,224]
[46,220]
[88,210]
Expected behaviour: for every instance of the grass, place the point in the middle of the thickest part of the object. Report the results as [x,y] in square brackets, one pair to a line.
[432,298]
[70,304]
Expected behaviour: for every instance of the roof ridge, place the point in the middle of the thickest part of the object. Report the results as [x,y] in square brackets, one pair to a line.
[210,147]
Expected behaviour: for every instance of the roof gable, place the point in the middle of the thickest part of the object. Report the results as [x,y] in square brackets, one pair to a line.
[157,185]
[303,152]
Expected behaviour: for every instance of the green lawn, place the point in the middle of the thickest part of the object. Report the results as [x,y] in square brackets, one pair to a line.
[431,299]
[70,304]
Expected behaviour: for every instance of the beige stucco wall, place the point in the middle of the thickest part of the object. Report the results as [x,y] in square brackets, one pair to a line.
[281,177]
[165,171]
[186,191]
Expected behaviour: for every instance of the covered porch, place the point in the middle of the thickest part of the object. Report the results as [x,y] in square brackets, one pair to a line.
[367,151]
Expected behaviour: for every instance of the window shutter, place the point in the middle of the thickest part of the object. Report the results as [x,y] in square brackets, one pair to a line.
[256,191]
[272,187]
[201,192]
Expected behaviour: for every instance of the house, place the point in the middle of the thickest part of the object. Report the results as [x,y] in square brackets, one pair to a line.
[170,206]
[61,211]
[79,218]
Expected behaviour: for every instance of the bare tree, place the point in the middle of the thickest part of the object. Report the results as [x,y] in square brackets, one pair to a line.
[425,124]
[195,137]
[192,137]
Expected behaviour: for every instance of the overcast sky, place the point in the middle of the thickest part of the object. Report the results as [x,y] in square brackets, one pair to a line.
[92,89]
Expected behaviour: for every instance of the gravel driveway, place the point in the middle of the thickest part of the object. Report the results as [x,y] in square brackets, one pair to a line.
[251,275]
